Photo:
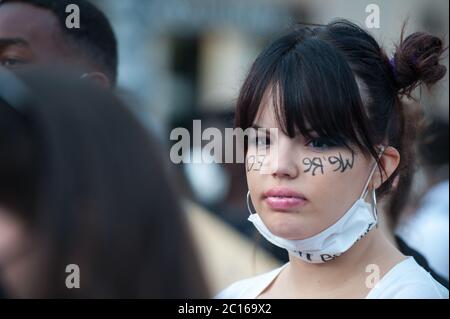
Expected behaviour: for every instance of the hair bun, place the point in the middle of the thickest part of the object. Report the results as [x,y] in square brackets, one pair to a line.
[416,61]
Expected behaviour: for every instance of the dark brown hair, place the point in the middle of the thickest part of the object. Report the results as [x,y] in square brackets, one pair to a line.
[336,80]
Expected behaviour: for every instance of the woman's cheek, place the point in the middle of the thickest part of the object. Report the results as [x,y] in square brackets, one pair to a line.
[254,185]
[337,190]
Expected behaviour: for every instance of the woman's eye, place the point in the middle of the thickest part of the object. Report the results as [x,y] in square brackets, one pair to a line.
[321,143]
[262,141]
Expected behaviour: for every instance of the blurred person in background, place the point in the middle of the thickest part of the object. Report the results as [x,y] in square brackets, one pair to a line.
[82,183]
[400,204]
[35,32]
[425,226]
[334,97]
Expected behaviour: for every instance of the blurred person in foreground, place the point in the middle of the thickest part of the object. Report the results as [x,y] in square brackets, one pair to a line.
[35,32]
[82,183]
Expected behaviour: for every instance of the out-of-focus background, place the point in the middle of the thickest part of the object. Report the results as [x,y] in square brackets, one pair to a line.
[186,59]
[190,56]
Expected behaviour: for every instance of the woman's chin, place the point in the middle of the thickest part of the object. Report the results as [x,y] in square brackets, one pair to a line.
[286,229]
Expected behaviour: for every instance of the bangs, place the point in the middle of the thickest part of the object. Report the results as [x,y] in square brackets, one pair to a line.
[313,90]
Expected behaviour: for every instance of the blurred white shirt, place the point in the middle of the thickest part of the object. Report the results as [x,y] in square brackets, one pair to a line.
[428,230]
[406,280]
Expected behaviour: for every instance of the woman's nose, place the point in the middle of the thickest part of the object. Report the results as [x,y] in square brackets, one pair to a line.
[286,163]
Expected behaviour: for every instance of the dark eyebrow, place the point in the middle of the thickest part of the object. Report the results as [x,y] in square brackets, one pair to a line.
[13,41]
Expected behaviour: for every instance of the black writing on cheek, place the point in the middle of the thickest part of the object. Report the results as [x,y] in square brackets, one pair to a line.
[340,163]
[255,162]
[250,162]
[313,164]
[260,162]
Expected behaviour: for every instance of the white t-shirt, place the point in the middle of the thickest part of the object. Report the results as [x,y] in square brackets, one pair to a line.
[406,280]
[427,231]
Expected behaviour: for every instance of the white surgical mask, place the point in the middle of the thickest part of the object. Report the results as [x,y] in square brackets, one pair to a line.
[333,241]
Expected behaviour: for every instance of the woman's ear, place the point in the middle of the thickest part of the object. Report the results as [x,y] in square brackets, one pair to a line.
[390,160]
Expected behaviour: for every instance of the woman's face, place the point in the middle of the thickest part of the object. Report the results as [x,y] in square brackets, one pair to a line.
[310,183]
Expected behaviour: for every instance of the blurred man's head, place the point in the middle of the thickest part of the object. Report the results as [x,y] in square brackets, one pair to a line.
[35,32]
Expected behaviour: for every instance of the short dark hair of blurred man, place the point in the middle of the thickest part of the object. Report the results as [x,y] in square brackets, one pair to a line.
[35,32]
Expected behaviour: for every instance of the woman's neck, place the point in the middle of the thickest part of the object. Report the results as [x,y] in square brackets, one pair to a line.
[348,272]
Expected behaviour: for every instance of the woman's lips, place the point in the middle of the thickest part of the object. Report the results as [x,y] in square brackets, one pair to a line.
[284,199]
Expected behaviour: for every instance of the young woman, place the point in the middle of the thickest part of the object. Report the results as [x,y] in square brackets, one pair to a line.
[334,98]
[82,183]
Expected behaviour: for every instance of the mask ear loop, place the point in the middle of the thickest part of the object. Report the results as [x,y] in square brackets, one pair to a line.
[374,204]
[374,195]
[248,203]
[365,190]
